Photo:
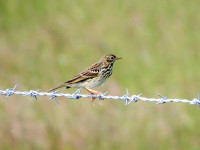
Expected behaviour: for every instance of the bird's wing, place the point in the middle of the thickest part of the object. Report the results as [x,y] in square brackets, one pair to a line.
[89,73]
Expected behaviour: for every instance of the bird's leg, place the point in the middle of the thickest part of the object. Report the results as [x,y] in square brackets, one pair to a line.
[93,92]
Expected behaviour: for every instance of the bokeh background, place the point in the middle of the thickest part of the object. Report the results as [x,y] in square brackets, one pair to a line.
[46,42]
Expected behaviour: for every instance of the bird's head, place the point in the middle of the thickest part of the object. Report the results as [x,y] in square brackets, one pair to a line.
[110,58]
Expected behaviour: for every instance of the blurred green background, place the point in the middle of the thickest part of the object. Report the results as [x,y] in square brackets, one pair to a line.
[46,42]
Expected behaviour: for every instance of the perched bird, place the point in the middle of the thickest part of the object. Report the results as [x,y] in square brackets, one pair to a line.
[93,76]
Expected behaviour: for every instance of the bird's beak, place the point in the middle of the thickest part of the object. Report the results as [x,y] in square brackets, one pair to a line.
[118,58]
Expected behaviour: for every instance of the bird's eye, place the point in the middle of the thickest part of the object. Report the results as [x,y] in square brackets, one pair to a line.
[111,57]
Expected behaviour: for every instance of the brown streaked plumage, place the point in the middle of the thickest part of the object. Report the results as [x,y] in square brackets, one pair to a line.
[93,76]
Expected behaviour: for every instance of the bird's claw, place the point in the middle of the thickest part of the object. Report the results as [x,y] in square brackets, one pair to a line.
[98,94]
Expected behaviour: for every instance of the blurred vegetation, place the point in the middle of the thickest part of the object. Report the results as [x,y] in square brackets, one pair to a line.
[46,42]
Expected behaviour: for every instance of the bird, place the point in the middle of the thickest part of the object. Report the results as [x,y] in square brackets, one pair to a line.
[93,76]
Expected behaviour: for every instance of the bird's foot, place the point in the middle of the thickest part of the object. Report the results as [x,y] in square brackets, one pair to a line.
[98,93]
[93,92]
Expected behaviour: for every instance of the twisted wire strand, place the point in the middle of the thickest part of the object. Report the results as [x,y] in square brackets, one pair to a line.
[77,95]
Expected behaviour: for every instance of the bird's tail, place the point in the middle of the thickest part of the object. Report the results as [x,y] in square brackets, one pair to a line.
[57,87]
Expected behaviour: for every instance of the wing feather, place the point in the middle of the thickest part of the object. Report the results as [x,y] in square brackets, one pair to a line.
[89,73]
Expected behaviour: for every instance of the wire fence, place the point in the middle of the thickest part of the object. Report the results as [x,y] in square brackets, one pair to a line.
[77,95]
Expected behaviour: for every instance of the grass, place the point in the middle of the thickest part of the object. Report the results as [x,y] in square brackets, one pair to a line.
[44,43]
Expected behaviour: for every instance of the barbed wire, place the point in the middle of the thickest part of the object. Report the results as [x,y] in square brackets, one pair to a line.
[77,95]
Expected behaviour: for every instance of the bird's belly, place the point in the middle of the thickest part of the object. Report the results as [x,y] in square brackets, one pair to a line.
[93,83]
[90,83]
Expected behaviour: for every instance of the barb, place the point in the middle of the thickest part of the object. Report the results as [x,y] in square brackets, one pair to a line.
[77,95]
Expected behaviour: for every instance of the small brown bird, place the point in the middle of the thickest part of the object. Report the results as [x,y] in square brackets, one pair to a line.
[93,76]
